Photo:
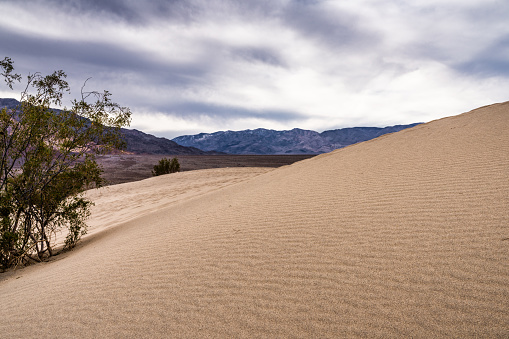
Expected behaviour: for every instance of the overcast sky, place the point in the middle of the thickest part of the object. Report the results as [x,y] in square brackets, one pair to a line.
[185,67]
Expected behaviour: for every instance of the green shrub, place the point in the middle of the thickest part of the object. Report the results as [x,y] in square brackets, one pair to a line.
[166,166]
[47,161]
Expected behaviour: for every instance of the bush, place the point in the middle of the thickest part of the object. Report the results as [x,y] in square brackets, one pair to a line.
[47,160]
[166,166]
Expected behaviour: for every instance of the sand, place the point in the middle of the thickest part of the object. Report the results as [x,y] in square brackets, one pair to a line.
[405,235]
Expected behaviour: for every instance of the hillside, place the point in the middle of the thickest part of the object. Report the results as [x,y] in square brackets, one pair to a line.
[8,103]
[138,142]
[143,143]
[405,235]
[295,141]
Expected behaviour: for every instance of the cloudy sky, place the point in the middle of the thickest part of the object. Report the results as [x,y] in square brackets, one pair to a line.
[190,66]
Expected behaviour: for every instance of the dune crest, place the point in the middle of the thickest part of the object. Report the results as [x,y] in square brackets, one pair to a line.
[404,235]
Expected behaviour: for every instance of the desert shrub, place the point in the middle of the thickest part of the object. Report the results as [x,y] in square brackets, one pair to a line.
[47,160]
[166,166]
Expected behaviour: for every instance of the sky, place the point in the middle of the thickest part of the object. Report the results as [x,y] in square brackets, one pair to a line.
[186,67]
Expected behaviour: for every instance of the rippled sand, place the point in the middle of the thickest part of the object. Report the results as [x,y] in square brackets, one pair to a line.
[405,235]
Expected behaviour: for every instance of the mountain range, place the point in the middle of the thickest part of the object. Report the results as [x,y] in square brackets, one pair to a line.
[138,142]
[257,141]
[295,141]
[142,143]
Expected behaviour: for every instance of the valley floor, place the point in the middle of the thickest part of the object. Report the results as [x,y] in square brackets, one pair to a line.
[132,167]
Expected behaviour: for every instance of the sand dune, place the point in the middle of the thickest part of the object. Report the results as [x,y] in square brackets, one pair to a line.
[404,235]
[120,203]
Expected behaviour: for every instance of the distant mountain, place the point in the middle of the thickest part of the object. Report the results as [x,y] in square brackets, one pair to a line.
[143,143]
[258,141]
[137,141]
[8,103]
[295,141]
[348,136]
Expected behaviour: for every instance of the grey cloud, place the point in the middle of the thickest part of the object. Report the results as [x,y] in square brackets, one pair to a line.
[132,11]
[221,112]
[259,54]
[82,52]
[335,30]
[118,8]
[456,47]
[305,16]
[145,12]
[85,57]
[487,12]
[492,61]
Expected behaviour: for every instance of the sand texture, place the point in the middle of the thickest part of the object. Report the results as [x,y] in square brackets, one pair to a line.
[406,235]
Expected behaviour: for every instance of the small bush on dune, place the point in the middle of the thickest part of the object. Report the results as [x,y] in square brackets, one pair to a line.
[166,166]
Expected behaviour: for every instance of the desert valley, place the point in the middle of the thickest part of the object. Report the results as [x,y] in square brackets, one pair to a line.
[405,235]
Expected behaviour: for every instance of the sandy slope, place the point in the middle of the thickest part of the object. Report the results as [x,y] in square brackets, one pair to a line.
[117,204]
[405,235]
